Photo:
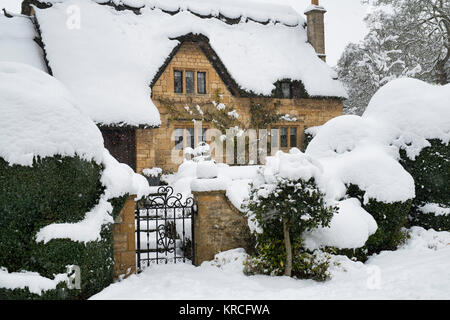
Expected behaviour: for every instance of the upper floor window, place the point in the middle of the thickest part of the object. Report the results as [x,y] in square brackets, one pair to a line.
[178,81]
[201,82]
[190,82]
[286,90]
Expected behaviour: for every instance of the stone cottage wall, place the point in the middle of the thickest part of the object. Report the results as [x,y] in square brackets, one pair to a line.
[155,146]
[218,226]
[124,240]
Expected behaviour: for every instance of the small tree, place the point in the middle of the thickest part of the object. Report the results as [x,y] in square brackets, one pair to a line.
[288,208]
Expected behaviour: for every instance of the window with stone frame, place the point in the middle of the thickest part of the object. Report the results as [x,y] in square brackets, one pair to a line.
[201,82]
[190,81]
[284,137]
[185,137]
[178,81]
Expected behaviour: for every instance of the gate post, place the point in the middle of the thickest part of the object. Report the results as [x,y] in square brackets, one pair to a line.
[124,240]
[218,226]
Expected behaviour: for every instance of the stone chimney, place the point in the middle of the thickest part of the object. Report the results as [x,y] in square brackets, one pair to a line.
[316,27]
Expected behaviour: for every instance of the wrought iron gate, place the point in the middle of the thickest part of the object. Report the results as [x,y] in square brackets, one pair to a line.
[164,228]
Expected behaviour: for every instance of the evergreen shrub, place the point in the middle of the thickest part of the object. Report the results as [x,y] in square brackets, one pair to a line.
[296,206]
[431,173]
[54,190]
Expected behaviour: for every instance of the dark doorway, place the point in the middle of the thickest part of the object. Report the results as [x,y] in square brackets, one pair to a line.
[121,143]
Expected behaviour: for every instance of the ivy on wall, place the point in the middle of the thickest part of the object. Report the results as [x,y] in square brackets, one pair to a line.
[224,116]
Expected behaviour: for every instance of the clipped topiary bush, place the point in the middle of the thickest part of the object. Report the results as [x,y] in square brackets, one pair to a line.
[59,191]
[283,211]
[309,134]
[390,218]
[54,190]
[431,173]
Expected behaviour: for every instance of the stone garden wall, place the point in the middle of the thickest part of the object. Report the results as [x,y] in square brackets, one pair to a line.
[218,226]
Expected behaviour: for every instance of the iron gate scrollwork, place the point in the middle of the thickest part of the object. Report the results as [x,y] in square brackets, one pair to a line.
[164,228]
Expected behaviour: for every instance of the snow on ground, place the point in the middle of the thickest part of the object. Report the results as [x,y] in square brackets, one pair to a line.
[417,270]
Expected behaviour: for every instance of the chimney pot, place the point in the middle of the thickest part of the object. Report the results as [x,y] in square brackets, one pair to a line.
[315,2]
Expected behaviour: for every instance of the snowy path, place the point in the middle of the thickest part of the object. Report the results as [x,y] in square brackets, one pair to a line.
[418,270]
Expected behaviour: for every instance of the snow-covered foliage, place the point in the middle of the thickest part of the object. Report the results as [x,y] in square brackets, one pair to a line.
[17,42]
[236,180]
[365,150]
[351,226]
[435,209]
[354,150]
[119,179]
[419,111]
[33,281]
[119,53]
[405,38]
[41,119]
[229,261]
[152,172]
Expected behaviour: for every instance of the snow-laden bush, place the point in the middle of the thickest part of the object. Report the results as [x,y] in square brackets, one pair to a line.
[431,172]
[359,163]
[59,190]
[360,155]
[285,203]
[284,209]
[421,114]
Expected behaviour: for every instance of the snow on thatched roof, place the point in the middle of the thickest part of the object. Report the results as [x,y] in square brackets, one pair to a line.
[111,59]
[17,43]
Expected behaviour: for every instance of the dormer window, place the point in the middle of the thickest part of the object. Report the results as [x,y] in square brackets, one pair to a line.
[178,81]
[201,82]
[286,90]
[189,82]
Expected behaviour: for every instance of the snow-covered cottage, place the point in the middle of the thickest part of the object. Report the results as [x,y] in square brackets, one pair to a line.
[131,63]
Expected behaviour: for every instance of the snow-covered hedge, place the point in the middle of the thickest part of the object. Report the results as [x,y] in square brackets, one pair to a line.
[58,186]
[405,121]
[421,114]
